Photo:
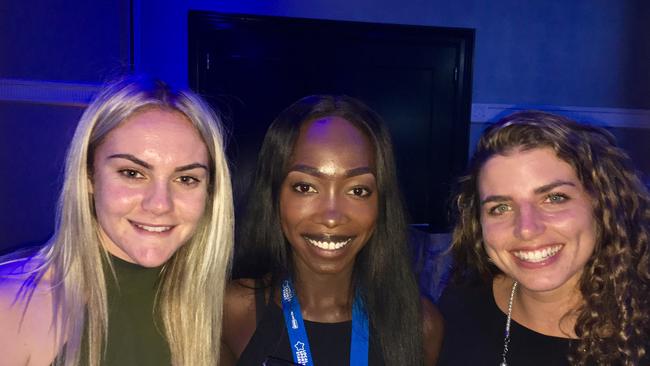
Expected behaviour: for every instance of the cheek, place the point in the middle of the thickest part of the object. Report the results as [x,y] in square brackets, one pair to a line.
[367,215]
[114,199]
[287,218]
[578,223]
[586,232]
[493,242]
[495,234]
[192,205]
[292,210]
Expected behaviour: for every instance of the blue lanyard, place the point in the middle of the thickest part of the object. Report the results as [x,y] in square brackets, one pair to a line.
[298,335]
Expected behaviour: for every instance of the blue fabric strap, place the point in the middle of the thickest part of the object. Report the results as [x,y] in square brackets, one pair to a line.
[298,334]
[359,337]
[295,326]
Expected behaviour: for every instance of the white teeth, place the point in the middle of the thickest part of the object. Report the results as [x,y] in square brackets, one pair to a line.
[154,229]
[329,245]
[539,255]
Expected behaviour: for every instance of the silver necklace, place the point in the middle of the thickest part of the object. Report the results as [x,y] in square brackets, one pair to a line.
[506,339]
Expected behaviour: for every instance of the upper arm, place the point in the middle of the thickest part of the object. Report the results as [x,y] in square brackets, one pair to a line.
[239,320]
[432,331]
[14,348]
[26,332]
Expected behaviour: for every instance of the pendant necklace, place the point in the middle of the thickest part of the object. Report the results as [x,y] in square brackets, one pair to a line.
[506,339]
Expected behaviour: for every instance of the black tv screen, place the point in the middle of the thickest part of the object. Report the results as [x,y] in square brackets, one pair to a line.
[417,78]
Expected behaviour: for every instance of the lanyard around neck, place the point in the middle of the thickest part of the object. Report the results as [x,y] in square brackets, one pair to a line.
[298,334]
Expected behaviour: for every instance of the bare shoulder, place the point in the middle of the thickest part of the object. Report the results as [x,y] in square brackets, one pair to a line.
[27,334]
[433,326]
[239,319]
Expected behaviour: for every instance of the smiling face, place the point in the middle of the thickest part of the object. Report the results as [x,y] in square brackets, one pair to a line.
[328,200]
[149,182]
[537,219]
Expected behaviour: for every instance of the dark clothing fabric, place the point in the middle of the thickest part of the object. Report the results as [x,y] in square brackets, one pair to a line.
[135,334]
[329,342]
[474,334]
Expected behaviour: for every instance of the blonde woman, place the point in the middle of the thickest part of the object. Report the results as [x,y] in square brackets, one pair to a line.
[135,272]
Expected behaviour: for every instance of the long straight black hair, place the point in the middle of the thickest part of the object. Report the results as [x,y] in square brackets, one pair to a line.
[382,270]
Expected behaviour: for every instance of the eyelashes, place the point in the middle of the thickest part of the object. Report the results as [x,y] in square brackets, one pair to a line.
[499,209]
[554,198]
[304,188]
[186,180]
[131,174]
[307,188]
[360,192]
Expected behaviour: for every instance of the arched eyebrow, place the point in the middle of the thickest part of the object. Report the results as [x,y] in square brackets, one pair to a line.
[317,173]
[146,165]
[540,190]
[131,158]
[551,186]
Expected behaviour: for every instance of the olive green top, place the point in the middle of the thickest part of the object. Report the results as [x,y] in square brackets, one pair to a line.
[135,333]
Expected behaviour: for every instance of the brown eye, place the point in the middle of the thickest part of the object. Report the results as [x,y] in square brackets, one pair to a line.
[360,192]
[304,188]
[131,174]
[188,181]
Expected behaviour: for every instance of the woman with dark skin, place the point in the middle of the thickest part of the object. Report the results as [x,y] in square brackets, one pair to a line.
[325,224]
[554,220]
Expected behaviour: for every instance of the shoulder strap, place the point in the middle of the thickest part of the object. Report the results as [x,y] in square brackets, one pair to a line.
[260,301]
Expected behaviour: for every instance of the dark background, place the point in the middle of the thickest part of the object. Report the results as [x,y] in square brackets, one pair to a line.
[589,55]
[417,78]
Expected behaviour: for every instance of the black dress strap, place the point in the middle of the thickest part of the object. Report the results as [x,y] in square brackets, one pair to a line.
[260,301]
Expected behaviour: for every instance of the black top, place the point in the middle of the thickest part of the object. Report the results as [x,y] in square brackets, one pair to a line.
[329,342]
[135,334]
[474,332]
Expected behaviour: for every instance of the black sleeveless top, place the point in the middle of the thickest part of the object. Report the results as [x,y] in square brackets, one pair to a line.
[474,332]
[329,342]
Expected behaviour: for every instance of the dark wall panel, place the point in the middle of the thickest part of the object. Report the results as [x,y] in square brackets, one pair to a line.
[82,41]
[33,142]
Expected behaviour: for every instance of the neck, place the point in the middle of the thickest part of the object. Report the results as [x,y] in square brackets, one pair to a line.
[547,312]
[325,298]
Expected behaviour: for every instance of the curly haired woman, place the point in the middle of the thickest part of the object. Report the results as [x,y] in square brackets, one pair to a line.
[554,220]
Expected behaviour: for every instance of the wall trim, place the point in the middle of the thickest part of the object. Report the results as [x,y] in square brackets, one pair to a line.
[47,92]
[605,117]
[80,94]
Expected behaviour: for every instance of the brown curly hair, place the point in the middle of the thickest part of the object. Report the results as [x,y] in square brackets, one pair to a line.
[614,321]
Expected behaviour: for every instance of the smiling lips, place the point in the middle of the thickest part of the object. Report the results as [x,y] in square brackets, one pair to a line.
[152,229]
[538,255]
[328,242]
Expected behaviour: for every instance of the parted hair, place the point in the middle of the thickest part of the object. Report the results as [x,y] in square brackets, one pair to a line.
[382,270]
[613,323]
[192,282]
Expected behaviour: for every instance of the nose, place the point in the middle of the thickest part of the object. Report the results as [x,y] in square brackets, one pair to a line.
[529,222]
[331,212]
[158,198]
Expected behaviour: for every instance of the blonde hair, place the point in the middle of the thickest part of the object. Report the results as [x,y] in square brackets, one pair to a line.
[192,281]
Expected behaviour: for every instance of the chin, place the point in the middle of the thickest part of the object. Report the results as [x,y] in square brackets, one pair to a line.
[151,260]
[544,285]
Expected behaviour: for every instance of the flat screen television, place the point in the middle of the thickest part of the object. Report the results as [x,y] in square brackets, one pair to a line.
[417,78]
